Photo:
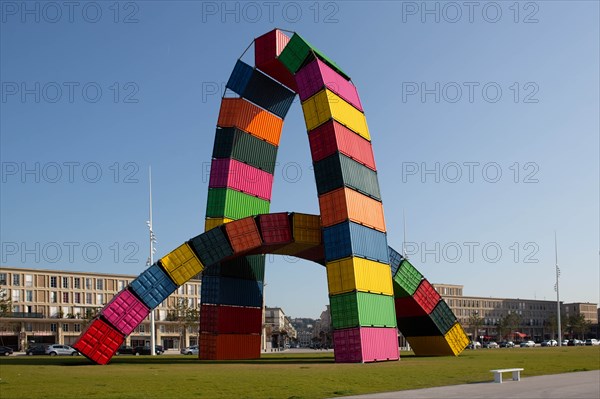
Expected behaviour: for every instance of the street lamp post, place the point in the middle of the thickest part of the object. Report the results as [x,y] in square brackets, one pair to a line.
[557,292]
[150,262]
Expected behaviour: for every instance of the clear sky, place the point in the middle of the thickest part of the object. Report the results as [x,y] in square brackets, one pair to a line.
[484,119]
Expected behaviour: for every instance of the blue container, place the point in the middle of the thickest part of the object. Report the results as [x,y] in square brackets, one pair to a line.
[240,76]
[395,260]
[153,286]
[211,247]
[352,239]
[231,291]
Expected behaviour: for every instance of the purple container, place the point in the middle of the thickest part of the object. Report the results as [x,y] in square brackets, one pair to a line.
[316,75]
[125,312]
[241,177]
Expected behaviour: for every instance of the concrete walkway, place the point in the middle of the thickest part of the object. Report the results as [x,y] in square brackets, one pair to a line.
[580,385]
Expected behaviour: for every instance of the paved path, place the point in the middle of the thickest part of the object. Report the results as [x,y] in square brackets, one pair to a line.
[580,385]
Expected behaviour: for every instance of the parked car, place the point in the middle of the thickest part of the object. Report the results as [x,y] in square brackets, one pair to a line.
[145,350]
[61,350]
[565,342]
[527,344]
[549,342]
[507,344]
[575,342]
[5,351]
[190,350]
[474,345]
[592,342]
[124,350]
[36,350]
[491,345]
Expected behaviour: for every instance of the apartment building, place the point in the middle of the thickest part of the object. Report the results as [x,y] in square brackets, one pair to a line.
[280,327]
[54,306]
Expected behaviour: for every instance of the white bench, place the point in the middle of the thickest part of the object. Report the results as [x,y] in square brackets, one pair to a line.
[516,374]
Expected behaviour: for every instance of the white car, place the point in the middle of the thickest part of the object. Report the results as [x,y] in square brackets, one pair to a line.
[527,344]
[550,342]
[65,350]
[190,350]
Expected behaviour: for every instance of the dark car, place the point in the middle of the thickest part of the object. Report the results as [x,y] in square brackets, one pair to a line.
[124,350]
[37,350]
[145,350]
[5,351]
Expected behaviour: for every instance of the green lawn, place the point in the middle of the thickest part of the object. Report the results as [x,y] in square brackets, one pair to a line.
[312,375]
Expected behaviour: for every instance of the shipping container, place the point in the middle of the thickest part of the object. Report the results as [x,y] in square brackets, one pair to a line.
[418,326]
[409,307]
[232,204]
[236,144]
[229,346]
[337,171]
[211,247]
[125,312]
[406,280]
[229,173]
[99,342]
[275,228]
[350,239]
[240,113]
[153,286]
[315,254]
[239,78]
[316,75]
[211,223]
[365,344]
[298,50]
[430,346]
[356,309]
[181,264]
[306,228]
[243,234]
[231,291]
[266,50]
[426,296]
[331,137]
[443,317]
[223,319]
[457,339]
[325,105]
[395,260]
[347,204]
[250,267]
[358,274]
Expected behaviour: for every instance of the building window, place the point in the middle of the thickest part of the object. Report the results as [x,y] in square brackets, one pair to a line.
[16,295]
[28,327]
[190,289]
[16,279]
[65,327]
[28,280]
[53,327]
[99,299]
[65,282]
[88,283]
[53,297]
[121,284]
[53,282]
[77,297]
[88,299]
[28,296]
[77,282]
[77,328]
[99,284]
[65,298]
[2,278]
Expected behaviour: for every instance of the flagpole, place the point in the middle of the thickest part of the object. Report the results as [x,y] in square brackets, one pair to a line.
[557,292]
[150,263]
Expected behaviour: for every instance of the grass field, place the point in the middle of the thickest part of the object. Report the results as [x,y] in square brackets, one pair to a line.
[303,375]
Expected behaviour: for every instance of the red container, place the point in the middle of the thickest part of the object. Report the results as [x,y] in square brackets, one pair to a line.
[224,319]
[125,312]
[331,136]
[99,342]
[229,173]
[365,344]
[426,296]
[266,50]
[243,234]
[316,75]
[275,228]
[229,346]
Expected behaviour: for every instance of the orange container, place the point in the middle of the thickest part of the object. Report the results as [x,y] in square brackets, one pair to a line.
[243,234]
[344,203]
[237,112]
[229,346]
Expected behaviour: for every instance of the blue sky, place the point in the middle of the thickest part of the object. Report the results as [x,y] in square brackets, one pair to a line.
[484,123]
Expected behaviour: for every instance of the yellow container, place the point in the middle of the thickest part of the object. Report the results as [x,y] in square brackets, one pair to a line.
[325,105]
[430,346]
[457,339]
[306,229]
[181,264]
[211,223]
[358,274]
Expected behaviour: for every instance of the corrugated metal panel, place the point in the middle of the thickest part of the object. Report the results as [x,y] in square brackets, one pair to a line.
[315,254]
[417,326]
[245,267]
[125,312]
[324,105]
[269,94]
[350,239]
[240,113]
[211,246]
[338,170]
[243,235]
[344,203]
[153,286]
[348,348]
[331,137]
[409,307]
[230,319]
[211,223]
[406,280]
[268,46]
[426,296]
[358,274]
[316,75]
[231,291]
[233,204]
[362,309]
[275,228]
[365,344]
[395,260]
[457,339]
[306,228]
[279,72]
[229,173]
[292,249]
[240,76]
[443,317]
[99,342]
[181,264]
[229,346]
[237,144]
[430,346]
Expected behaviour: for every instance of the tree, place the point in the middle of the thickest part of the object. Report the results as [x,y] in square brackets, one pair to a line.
[552,323]
[578,325]
[185,316]
[5,303]
[475,322]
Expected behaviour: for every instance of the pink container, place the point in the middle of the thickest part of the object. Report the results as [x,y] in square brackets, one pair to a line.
[241,177]
[125,312]
[332,136]
[365,344]
[316,75]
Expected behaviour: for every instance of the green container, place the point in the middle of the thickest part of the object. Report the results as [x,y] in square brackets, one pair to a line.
[234,143]
[338,170]
[225,202]
[364,309]
[406,280]
[443,317]
[246,268]
[296,52]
